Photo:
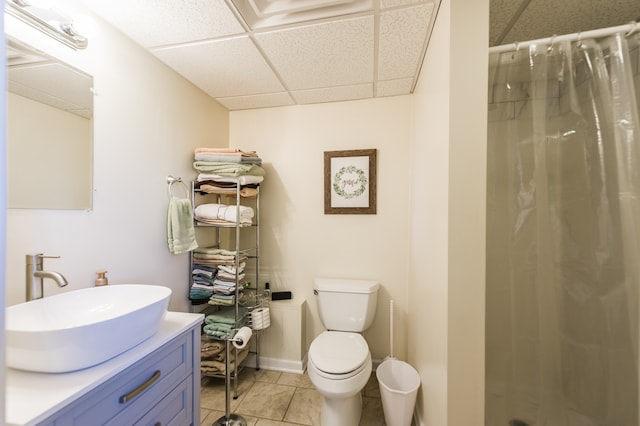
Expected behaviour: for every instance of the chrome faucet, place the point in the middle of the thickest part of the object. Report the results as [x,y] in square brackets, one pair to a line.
[35,276]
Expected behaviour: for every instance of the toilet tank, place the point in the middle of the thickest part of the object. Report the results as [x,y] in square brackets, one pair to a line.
[345,304]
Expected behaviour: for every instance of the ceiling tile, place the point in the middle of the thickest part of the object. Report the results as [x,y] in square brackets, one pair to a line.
[223,68]
[334,94]
[386,4]
[256,101]
[568,18]
[403,34]
[501,13]
[394,87]
[329,54]
[162,22]
[270,13]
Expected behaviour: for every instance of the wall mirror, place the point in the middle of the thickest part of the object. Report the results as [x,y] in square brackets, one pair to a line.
[49,132]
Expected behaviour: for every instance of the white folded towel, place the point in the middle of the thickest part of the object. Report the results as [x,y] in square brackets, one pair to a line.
[242,180]
[224,212]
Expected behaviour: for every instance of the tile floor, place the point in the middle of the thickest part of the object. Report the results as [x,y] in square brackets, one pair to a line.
[273,398]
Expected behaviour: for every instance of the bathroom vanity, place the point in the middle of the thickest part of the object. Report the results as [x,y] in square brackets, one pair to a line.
[155,382]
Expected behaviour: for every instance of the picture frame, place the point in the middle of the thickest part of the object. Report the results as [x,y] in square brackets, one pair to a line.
[350,181]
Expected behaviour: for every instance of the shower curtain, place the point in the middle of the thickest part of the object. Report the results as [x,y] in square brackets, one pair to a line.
[563,235]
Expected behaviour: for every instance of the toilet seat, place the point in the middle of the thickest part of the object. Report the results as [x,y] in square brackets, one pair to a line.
[339,355]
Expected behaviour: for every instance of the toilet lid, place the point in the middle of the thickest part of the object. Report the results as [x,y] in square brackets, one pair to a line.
[338,352]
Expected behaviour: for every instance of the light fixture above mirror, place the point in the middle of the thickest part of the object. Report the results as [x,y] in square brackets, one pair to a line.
[51,22]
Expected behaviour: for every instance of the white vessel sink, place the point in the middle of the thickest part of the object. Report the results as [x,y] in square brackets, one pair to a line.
[82,328]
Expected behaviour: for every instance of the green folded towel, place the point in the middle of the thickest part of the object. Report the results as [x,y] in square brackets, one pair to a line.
[225,316]
[181,236]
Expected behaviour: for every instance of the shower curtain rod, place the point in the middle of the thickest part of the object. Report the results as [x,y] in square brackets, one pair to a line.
[603,32]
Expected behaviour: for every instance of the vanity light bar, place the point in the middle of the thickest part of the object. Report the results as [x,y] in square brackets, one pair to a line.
[58,28]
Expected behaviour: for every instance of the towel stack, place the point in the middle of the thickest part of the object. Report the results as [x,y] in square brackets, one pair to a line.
[215,275]
[220,324]
[203,280]
[221,170]
[213,356]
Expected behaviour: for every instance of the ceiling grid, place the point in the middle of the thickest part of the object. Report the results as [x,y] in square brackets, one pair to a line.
[264,53]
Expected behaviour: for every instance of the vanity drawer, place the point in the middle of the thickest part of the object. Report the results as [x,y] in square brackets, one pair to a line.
[174,409]
[132,393]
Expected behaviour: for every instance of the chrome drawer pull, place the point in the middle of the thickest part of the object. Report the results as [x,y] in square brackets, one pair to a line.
[129,396]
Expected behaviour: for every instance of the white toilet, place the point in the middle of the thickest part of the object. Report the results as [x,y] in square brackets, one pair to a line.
[339,361]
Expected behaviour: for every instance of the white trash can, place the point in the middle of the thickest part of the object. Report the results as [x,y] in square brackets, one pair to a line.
[399,383]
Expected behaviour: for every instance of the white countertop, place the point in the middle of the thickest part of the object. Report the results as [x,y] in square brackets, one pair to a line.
[32,397]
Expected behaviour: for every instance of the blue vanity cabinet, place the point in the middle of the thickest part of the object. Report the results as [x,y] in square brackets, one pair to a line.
[161,388]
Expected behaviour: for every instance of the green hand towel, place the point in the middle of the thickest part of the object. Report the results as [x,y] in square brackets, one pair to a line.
[181,236]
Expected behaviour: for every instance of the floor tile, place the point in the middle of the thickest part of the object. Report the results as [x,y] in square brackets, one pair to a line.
[305,407]
[267,400]
[298,380]
[262,375]
[213,394]
[251,421]
[372,413]
[272,398]
[372,388]
[204,416]
[266,422]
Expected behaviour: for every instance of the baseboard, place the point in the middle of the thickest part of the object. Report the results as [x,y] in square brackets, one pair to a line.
[276,364]
[376,363]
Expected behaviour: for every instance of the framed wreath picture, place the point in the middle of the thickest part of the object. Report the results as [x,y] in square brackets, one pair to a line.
[350,182]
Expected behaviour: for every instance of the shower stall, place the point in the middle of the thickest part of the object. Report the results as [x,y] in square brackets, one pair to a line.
[563,232]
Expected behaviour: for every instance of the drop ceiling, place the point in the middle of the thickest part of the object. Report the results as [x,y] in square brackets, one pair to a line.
[263,53]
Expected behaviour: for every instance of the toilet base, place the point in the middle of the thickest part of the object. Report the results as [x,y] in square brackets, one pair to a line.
[342,411]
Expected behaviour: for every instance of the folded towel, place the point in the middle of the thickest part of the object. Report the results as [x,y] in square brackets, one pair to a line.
[217,327]
[181,236]
[228,169]
[224,316]
[245,191]
[231,269]
[225,151]
[210,348]
[210,211]
[211,366]
[242,180]
[228,158]
[215,251]
[222,300]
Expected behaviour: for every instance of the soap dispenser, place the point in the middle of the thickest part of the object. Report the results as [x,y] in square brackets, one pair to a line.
[102,278]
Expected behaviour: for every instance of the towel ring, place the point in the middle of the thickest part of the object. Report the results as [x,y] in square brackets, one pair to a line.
[171,180]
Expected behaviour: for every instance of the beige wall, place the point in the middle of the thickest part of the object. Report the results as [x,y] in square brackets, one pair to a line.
[430,217]
[446,290]
[147,122]
[298,242]
[50,156]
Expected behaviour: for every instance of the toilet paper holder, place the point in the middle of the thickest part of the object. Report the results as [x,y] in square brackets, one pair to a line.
[240,340]
[241,337]
[258,316]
